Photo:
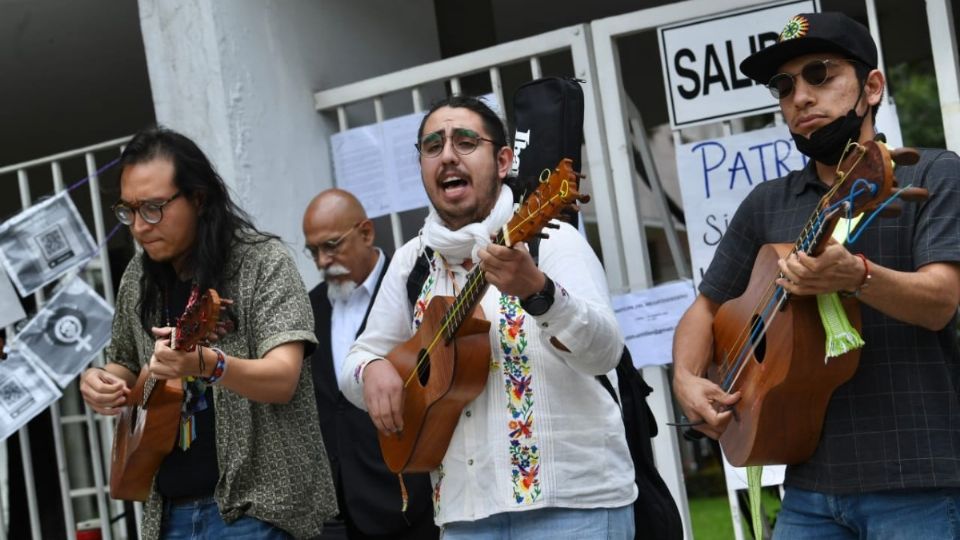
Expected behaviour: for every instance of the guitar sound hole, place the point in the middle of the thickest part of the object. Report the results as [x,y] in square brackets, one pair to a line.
[758,338]
[423,367]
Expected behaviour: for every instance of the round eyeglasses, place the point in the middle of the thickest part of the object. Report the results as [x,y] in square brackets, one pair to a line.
[150,211]
[464,141]
[330,247]
[815,73]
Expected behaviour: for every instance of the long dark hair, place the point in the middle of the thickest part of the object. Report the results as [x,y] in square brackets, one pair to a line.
[219,225]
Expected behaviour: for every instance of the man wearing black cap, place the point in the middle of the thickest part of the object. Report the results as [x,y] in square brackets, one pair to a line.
[888,461]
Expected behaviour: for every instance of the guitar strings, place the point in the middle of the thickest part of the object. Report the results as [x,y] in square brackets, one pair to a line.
[476,281]
[748,337]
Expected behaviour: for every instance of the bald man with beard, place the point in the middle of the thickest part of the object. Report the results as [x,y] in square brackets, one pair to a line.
[340,240]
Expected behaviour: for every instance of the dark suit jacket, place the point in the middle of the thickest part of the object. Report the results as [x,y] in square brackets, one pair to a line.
[368,490]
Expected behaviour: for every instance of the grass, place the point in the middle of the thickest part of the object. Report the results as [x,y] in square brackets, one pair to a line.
[711,516]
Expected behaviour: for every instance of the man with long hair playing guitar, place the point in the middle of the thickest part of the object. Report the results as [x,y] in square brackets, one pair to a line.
[248,460]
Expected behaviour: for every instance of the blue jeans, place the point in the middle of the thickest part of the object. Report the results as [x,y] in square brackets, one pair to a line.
[200,520]
[908,514]
[552,523]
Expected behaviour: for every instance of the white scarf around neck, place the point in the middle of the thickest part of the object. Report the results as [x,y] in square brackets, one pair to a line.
[455,246]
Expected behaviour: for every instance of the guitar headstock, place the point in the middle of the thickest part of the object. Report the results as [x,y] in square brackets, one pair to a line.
[198,320]
[557,191]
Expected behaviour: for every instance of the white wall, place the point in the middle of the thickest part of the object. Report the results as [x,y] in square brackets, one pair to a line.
[238,76]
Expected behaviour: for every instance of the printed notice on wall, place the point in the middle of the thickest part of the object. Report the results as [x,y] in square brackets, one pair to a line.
[648,319]
[24,392]
[43,242]
[68,332]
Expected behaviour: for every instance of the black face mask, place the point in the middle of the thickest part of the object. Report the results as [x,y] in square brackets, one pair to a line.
[827,143]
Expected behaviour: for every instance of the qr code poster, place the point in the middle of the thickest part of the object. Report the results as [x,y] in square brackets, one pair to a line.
[24,392]
[43,242]
[68,332]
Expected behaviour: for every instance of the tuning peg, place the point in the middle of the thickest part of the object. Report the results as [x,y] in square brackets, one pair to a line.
[542,235]
[552,225]
[913,194]
[905,155]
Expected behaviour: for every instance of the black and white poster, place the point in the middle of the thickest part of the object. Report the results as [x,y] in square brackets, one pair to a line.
[68,332]
[43,242]
[24,392]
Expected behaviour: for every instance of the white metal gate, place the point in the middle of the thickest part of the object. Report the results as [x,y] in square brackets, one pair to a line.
[82,475]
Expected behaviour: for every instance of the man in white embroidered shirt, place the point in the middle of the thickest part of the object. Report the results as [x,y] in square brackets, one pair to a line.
[541,452]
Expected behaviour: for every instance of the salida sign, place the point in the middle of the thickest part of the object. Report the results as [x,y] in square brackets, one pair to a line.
[701,63]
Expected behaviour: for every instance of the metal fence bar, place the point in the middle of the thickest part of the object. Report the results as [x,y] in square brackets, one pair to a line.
[62,155]
[27,459]
[106,273]
[98,478]
[24,435]
[449,69]
[69,519]
[497,86]
[535,71]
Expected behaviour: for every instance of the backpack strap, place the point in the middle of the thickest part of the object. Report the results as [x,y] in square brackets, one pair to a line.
[418,275]
[421,270]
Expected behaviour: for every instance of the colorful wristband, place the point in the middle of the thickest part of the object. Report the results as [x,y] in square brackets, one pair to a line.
[219,369]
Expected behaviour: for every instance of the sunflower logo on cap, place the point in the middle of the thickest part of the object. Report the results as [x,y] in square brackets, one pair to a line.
[796,28]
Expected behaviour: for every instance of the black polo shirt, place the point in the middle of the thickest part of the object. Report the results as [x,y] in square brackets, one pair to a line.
[896,423]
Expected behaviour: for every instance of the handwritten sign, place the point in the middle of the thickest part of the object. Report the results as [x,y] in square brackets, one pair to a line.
[715,175]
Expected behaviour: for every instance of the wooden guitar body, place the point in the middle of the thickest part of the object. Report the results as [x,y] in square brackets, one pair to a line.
[144,436]
[445,365]
[785,383]
[147,425]
[455,375]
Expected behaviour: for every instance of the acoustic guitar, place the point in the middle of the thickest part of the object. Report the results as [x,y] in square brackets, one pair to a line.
[445,365]
[147,425]
[771,347]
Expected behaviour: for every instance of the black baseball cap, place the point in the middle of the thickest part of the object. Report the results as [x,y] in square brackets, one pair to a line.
[812,33]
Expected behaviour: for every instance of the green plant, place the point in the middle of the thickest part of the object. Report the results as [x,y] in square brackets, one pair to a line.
[914,88]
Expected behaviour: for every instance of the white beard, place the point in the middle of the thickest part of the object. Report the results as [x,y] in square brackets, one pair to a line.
[337,289]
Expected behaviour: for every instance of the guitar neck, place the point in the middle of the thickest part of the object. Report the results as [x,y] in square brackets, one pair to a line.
[465,302]
[819,228]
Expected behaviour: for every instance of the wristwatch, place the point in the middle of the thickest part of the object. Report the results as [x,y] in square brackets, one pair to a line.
[539,302]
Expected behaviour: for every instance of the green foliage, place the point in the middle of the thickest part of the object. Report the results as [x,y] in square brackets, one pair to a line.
[710,516]
[914,88]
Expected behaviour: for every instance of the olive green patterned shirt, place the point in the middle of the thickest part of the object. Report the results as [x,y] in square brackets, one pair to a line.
[272,462]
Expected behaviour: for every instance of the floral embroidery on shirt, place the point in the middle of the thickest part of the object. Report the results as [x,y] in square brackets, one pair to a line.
[524,450]
[426,294]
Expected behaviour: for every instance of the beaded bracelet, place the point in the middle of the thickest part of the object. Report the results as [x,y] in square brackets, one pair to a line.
[219,369]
